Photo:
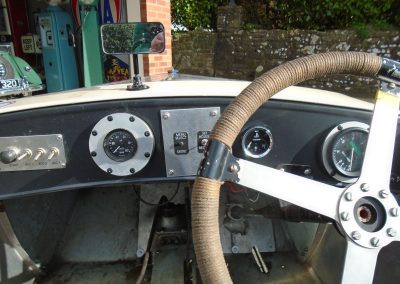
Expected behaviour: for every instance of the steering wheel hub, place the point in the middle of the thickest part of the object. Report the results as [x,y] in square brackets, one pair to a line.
[366,217]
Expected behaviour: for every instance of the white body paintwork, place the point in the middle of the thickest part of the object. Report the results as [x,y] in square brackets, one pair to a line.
[186,88]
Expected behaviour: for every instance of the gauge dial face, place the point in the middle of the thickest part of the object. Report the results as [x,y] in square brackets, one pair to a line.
[257,142]
[348,149]
[120,145]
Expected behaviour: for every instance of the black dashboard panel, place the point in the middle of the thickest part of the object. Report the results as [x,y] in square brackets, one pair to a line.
[298,130]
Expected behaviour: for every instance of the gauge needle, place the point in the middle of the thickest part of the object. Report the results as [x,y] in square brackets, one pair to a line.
[355,148]
[351,159]
[347,158]
[116,149]
[248,146]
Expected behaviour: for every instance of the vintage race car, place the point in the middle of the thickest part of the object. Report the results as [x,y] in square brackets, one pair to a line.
[205,179]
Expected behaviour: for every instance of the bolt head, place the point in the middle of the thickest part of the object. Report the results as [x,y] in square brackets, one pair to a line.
[348,196]
[147,154]
[109,170]
[94,133]
[356,235]
[132,170]
[213,113]
[375,242]
[345,216]
[365,187]
[391,232]
[233,168]
[392,86]
[383,193]
[171,172]
[93,154]
[394,212]
[166,115]
[147,134]
[110,118]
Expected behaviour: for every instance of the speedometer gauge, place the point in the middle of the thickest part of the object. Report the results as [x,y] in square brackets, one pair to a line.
[344,149]
[257,142]
[120,145]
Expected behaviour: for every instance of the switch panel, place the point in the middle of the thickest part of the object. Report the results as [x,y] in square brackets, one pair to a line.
[185,136]
[26,153]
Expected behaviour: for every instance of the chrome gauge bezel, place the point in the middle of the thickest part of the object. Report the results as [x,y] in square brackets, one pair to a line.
[140,130]
[327,146]
[247,133]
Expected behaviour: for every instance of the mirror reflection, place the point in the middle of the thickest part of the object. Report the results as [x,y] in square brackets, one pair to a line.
[133,38]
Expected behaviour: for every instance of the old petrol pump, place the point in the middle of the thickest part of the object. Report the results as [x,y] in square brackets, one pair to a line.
[92,54]
[58,47]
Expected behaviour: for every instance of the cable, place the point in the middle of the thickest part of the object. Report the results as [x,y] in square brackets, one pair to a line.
[156,204]
[143,270]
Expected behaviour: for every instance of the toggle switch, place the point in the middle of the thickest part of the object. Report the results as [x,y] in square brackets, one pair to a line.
[53,153]
[27,153]
[39,152]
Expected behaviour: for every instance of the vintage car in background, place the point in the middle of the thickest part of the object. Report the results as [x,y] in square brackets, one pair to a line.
[17,77]
[195,180]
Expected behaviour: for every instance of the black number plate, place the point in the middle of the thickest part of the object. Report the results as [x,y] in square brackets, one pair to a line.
[9,84]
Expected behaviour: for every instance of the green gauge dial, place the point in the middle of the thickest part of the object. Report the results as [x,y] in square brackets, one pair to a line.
[348,149]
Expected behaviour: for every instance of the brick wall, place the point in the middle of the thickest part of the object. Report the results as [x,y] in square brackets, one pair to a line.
[158,11]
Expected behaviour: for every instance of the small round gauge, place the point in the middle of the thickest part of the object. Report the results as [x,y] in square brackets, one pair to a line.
[120,145]
[348,149]
[257,142]
[343,150]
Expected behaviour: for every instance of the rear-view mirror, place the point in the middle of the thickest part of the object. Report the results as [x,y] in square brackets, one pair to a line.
[133,38]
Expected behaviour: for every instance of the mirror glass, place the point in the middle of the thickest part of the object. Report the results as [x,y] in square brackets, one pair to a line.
[133,38]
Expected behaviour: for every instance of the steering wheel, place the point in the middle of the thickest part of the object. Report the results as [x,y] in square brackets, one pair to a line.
[345,206]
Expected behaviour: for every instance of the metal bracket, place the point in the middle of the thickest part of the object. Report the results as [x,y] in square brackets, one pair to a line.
[219,163]
[390,87]
[390,71]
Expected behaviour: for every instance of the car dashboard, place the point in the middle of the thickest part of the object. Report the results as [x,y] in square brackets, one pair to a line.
[145,139]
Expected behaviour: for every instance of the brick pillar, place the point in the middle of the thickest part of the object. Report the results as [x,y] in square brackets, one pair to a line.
[158,11]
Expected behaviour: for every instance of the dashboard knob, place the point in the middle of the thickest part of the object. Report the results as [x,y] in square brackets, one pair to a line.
[8,156]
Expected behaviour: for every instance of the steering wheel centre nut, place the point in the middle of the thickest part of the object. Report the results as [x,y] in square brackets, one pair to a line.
[367,216]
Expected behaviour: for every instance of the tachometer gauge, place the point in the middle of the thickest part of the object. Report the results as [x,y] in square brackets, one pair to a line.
[257,142]
[120,145]
[348,151]
[344,149]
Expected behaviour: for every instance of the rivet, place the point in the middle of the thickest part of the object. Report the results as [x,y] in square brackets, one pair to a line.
[147,154]
[94,133]
[348,196]
[364,187]
[147,134]
[345,216]
[375,242]
[132,170]
[356,235]
[166,115]
[340,127]
[171,172]
[307,172]
[213,113]
[59,137]
[109,170]
[93,154]
[110,118]
[392,86]
[131,119]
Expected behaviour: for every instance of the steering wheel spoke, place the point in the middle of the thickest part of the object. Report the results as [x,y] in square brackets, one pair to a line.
[315,196]
[379,152]
[359,264]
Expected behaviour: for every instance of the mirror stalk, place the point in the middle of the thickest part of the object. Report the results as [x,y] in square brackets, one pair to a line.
[137,84]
